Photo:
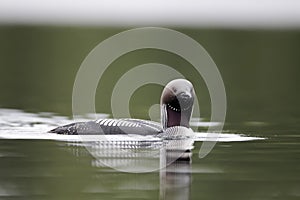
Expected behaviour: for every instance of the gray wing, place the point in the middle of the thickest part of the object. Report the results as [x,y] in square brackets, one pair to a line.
[110,127]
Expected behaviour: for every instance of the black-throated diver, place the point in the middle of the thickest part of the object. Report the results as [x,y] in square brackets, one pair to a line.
[176,103]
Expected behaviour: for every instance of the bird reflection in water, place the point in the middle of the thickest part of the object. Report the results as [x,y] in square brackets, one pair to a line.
[175,178]
[172,158]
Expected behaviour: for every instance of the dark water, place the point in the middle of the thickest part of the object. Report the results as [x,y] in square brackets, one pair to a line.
[260,71]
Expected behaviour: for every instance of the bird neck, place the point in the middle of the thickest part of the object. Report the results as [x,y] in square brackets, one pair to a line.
[172,118]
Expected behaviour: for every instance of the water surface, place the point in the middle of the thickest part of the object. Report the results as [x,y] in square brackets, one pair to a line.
[55,168]
[260,70]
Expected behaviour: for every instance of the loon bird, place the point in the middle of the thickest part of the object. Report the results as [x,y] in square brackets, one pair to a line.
[177,101]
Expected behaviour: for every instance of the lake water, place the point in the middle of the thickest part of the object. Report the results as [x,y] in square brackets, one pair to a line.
[257,159]
[37,165]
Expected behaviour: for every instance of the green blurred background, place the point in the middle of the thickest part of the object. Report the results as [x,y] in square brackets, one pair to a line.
[260,70]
